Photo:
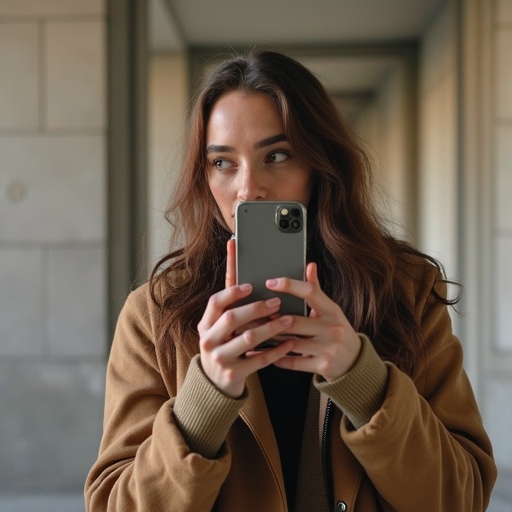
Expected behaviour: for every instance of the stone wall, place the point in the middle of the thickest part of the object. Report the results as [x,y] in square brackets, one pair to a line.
[52,241]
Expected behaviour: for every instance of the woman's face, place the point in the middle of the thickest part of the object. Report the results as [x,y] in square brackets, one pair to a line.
[248,156]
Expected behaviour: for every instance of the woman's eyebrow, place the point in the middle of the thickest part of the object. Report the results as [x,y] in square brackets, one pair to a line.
[214,148]
[217,148]
[270,140]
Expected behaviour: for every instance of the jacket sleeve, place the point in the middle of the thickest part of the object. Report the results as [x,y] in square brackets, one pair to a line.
[426,448]
[144,463]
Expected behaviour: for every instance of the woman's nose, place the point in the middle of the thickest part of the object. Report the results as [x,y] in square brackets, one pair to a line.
[251,186]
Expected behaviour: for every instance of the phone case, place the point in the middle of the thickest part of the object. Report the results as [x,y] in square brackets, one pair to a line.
[271,242]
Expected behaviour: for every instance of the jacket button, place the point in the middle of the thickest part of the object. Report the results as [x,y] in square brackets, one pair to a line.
[341,506]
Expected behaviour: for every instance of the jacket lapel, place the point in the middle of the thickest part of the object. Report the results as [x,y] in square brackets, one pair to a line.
[255,414]
[347,472]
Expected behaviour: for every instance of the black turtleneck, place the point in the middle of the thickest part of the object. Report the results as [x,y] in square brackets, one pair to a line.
[286,394]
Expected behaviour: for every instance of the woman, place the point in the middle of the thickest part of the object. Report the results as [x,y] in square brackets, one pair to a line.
[375,414]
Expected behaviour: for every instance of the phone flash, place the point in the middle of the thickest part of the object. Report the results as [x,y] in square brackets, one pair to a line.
[284,211]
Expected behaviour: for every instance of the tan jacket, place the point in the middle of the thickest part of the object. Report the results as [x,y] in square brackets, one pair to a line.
[425,449]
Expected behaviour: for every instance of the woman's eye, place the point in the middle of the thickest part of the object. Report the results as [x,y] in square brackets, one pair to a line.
[277,156]
[222,164]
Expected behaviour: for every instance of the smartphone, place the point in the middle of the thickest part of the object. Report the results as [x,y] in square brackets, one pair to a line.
[270,241]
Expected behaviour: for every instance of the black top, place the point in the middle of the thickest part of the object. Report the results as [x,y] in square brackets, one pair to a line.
[286,393]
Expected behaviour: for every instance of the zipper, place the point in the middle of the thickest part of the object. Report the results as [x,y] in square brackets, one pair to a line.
[326,453]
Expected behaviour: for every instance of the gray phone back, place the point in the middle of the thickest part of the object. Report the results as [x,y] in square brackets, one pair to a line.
[271,242]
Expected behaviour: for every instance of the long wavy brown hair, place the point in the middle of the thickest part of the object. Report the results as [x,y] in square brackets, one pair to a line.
[357,258]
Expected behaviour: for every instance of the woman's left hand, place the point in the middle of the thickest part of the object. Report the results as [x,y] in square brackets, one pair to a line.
[328,344]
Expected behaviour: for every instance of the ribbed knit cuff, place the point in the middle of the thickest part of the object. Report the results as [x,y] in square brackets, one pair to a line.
[360,392]
[203,413]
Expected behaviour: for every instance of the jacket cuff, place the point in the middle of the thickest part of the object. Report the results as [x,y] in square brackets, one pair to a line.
[360,392]
[203,413]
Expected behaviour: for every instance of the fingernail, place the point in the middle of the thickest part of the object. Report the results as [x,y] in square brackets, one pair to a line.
[286,320]
[245,287]
[273,302]
[271,283]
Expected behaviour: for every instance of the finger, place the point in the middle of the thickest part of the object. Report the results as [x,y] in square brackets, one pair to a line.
[308,328]
[220,301]
[264,358]
[231,264]
[312,277]
[250,340]
[312,273]
[297,363]
[232,320]
[229,374]
[330,361]
[309,290]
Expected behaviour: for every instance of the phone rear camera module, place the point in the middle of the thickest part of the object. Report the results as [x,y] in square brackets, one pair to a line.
[289,219]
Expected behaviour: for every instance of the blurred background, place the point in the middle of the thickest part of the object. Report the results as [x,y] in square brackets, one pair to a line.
[94,97]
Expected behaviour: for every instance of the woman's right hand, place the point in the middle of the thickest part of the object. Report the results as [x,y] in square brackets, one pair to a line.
[227,355]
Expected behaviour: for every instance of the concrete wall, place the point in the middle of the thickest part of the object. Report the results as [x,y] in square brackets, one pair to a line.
[437,183]
[52,242]
[498,367]
[167,110]
[395,148]
[386,125]
[465,189]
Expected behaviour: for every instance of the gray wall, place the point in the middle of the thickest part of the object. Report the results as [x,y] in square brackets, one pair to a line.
[497,224]
[465,189]
[52,241]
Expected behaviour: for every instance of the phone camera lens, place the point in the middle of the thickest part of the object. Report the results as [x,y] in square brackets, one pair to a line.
[295,212]
[284,223]
[296,224]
